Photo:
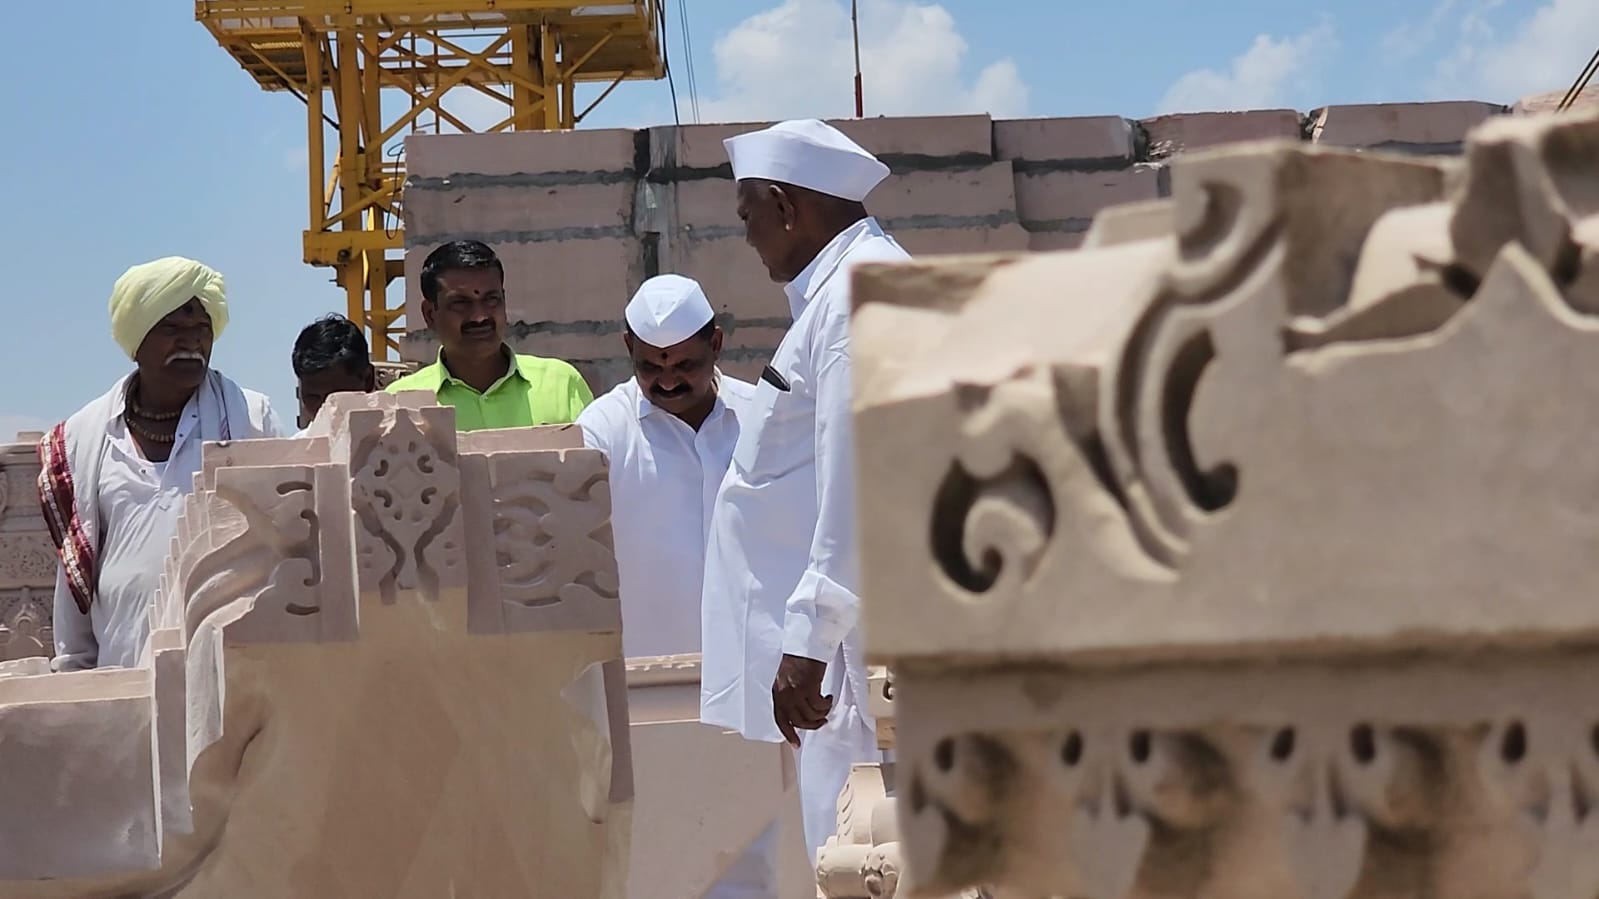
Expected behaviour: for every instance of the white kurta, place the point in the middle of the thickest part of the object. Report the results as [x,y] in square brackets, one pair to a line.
[781,569]
[139,505]
[664,476]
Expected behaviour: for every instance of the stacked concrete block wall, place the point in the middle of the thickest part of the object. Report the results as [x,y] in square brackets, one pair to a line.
[581,218]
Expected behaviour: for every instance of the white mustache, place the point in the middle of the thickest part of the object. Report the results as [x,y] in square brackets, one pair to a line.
[185,356]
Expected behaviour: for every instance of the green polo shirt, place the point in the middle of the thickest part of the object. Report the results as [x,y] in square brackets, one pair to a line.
[536,391]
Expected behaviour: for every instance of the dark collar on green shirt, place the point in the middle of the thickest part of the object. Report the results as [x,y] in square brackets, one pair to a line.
[511,368]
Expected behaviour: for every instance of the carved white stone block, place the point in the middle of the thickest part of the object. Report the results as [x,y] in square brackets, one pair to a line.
[320,711]
[1249,551]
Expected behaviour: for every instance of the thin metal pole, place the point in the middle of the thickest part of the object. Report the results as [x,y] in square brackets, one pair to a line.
[855,26]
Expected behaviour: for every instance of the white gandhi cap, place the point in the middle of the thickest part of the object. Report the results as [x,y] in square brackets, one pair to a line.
[806,153]
[667,310]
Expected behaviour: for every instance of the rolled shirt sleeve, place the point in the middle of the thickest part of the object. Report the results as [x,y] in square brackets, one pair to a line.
[824,607]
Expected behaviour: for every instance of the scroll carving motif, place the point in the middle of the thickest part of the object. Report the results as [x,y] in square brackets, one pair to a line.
[1265,573]
[272,557]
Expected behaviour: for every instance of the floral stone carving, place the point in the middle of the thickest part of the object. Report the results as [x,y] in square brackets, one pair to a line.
[1248,551]
[316,718]
[27,559]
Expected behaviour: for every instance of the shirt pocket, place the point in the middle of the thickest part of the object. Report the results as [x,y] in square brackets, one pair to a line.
[776,434]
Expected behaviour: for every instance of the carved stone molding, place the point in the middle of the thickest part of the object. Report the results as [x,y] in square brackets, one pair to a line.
[299,687]
[27,559]
[25,623]
[1248,551]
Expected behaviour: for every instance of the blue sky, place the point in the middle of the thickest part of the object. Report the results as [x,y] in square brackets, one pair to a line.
[134,136]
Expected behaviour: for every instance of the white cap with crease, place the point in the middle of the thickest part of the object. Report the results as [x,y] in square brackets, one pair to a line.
[667,310]
[806,153]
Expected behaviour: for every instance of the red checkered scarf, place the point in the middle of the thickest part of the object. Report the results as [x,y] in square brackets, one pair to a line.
[58,499]
[73,518]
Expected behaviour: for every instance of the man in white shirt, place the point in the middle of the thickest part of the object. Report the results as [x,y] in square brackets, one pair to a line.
[668,433]
[113,476]
[782,645]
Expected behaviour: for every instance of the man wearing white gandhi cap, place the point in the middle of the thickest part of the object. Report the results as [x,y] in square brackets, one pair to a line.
[113,476]
[667,433]
[782,645]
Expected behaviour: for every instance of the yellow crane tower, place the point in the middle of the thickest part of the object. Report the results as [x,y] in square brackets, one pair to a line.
[528,55]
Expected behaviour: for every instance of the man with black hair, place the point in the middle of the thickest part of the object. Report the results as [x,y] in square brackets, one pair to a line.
[463,302]
[330,356]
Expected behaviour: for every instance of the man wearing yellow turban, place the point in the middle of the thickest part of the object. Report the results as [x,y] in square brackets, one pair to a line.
[113,476]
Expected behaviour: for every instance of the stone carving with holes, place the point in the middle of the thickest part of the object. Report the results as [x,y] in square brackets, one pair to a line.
[1248,551]
[329,655]
[27,559]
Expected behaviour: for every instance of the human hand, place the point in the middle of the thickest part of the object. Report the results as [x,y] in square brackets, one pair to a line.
[797,700]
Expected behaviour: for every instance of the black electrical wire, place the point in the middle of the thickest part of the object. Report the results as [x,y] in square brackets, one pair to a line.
[666,63]
[1580,84]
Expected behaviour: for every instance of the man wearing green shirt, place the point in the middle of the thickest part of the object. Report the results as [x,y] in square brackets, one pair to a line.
[463,301]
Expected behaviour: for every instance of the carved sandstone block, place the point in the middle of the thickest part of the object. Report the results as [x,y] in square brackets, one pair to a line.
[315,718]
[686,832]
[1252,556]
[27,559]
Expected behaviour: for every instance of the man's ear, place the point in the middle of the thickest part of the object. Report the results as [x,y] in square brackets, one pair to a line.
[429,307]
[371,379]
[627,341]
[716,343]
[786,212]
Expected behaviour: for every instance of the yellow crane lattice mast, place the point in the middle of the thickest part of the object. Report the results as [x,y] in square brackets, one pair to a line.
[344,57]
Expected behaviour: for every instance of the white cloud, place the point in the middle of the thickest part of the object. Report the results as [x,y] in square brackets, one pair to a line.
[1272,72]
[797,59]
[477,110]
[1542,52]
[1408,39]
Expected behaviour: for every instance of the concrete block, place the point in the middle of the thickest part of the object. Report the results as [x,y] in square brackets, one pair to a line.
[699,147]
[1169,135]
[979,196]
[1402,127]
[1049,241]
[566,281]
[732,276]
[1080,140]
[704,203]
[1588,98]
[1011,238]
[970,199]
[1068,201]
[546,153]
[509,213]
[920,137]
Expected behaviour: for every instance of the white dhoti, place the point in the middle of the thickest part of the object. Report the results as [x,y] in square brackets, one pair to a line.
[827,754]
